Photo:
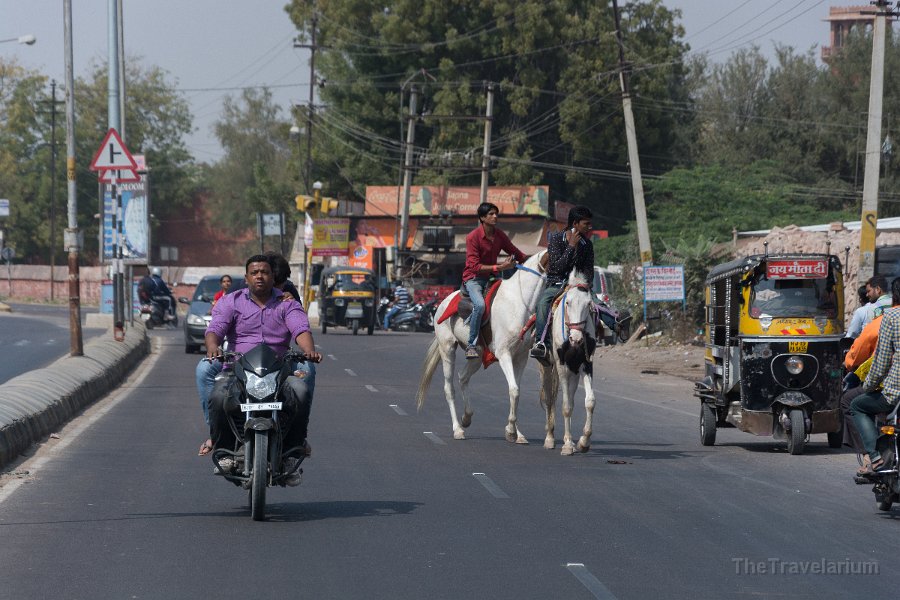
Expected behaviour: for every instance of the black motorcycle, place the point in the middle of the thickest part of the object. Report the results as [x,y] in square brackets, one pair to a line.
[259,459]
[416,317]
[153,314]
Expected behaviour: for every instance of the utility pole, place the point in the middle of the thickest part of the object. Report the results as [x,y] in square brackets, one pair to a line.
[407,173]
[114,120]
[869,218]
[53,102]
[486,153]
[72,244]
[640,210]
[312,46]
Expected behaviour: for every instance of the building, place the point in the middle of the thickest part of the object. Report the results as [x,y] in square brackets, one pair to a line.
[842,19]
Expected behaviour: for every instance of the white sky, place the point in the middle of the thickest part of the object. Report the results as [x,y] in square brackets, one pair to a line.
[214,47]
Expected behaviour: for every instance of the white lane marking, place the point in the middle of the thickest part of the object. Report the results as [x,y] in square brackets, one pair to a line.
[332,357]
[350,372]
[74,428]
[434,438]
[22,343]
[372,388]
[489,485]
[398,410]
[587,579]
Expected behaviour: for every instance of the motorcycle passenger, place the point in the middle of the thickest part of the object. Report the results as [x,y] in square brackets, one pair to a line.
[154,289]
[885,371]
[400,302]
[253,315]
[483,246]
[566,250]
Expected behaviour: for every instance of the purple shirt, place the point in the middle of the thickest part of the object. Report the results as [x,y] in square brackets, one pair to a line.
[277,324]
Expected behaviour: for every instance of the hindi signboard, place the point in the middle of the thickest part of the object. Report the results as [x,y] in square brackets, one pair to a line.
[797,269]
[664,284]
[330,237]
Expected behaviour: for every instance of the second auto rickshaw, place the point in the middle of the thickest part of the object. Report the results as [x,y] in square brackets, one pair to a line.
[774,324]
[347,298]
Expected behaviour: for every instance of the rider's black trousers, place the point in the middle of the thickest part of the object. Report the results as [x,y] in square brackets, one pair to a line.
[224,404]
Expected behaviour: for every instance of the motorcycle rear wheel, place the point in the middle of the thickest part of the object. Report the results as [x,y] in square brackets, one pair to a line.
[259,476]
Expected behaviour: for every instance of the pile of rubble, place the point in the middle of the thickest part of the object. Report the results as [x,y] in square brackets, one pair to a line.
[843,242]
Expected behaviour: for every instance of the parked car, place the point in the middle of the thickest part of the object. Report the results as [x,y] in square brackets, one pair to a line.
[199,307]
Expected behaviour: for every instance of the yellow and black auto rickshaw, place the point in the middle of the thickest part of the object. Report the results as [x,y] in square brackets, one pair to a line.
[347,298]
[774,324]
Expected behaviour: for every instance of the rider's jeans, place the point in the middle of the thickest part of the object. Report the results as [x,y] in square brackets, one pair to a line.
[542,312]
[390,315]
[208,370]
[475,287]
[863,410]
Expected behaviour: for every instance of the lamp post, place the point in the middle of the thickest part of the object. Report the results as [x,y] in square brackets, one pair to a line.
[27,39]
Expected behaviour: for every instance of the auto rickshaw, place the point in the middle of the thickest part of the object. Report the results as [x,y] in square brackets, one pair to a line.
[774,325]
[347,298]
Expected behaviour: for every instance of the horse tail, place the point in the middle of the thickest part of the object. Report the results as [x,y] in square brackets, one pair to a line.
[432,358]
[549,384]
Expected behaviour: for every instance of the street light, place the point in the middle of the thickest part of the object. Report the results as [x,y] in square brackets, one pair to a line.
[28,39]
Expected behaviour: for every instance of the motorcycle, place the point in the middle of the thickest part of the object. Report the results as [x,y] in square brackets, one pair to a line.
[153,314]
[417,317]
[887,480]
[617,322]
[259,459]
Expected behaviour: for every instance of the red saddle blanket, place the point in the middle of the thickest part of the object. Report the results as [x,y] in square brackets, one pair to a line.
[453,307]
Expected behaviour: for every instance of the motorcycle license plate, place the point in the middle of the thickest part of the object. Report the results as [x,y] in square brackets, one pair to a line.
[797,346]
[261,406]
[354,310]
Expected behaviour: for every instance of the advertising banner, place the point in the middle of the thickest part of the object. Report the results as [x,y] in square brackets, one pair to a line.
[135,222]
[361,256]
[330,237]
[435,200]
[664,284]
[797,269]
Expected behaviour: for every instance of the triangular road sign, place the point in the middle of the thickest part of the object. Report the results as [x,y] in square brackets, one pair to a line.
[120,175]
[113,154]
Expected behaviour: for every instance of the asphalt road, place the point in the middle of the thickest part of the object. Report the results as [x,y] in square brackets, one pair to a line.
[392,507]
[35,335]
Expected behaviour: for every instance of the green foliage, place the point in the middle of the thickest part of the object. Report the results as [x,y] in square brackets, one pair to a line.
[697,256]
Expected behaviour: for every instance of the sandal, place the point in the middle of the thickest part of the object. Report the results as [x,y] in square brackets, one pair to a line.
[205,448]
[472,352]
[871,469]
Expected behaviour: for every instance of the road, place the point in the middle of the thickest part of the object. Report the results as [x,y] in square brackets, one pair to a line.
[35,335]
[391,506]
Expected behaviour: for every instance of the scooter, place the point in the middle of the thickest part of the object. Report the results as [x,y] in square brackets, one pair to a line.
[153,315]
[418,317]
[886,480]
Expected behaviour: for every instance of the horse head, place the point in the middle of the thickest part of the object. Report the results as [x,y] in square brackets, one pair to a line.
[577,315]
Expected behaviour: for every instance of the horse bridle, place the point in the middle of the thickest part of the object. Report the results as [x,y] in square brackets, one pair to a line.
[579,325]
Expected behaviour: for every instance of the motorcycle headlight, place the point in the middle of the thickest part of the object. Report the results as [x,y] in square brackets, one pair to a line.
[261,387]
[794,365]
[338,301]
[193,319]
[370,302]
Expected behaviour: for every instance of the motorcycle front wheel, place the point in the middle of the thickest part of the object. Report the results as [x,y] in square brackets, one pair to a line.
[260,475]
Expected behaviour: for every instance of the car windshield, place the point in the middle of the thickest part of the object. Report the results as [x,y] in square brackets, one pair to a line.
[208,287]
[792,298]
[350,282]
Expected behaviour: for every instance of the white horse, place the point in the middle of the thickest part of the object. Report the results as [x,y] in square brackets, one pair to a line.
[574,335]
[514,303]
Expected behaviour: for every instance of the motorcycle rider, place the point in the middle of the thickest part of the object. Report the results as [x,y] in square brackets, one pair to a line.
[400,301]
[566,250]
[885,371]
[154,289]
[207,370]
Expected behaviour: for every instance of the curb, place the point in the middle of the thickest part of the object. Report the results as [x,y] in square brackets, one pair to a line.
[35,404]
[5,307]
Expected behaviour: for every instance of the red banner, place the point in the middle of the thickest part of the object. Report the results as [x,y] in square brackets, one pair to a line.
[797,269]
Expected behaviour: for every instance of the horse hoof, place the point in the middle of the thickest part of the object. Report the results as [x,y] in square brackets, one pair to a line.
[568,450]
[459,434]
[522,440]
[510,437]
[583,447]
[466,419]
[549,444]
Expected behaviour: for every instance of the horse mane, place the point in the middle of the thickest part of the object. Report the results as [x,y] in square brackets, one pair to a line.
[576,278]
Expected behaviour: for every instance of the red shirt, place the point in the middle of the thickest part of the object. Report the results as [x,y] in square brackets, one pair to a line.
[482,251]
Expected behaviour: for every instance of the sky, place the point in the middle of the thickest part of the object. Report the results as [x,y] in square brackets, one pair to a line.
[212,48]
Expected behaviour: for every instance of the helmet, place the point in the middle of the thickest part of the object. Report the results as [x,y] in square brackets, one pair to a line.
[156,271]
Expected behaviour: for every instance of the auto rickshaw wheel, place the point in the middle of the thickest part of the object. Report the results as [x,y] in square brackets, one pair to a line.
[355,326]
[707,424]
[371,329]
[324,327]
[797,440]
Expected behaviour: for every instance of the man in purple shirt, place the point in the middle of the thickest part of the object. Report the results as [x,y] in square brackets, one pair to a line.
[252,316]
